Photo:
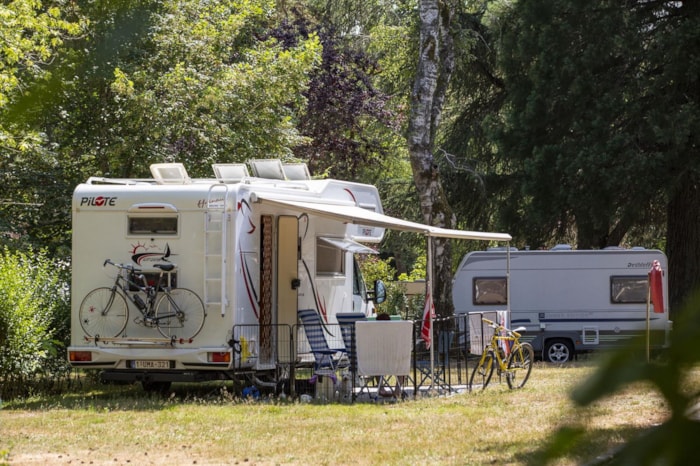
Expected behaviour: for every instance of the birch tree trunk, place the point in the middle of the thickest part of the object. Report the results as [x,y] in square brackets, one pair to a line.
[435,65]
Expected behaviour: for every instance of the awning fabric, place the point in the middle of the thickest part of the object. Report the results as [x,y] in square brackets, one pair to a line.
[348,245]
[357,215]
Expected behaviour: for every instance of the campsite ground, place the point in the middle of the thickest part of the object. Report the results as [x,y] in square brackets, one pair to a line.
[205,424]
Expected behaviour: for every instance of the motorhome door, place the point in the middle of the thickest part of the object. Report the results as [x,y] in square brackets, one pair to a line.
[288,253]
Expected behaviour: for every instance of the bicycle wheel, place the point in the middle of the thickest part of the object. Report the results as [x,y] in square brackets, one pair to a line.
[520,365]
[180,314]
[103,313]
[483,371]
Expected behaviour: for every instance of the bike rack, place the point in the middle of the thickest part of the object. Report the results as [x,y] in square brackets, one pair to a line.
[132,341]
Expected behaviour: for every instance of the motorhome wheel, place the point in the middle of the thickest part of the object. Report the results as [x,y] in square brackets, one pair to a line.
[160,387]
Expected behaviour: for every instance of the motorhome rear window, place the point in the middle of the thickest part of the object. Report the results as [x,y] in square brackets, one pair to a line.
[140,225]
[329,260]
[490,290]
[629,289]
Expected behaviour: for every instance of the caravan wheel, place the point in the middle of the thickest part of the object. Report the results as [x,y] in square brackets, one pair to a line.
[558,351]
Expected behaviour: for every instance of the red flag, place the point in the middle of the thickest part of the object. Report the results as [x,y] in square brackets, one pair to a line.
[428,316]
[656,287]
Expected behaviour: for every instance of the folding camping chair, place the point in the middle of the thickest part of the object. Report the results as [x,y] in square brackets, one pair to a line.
[441,362]
[347,320]
[324,356]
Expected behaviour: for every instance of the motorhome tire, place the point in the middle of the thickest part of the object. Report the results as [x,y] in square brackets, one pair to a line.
[558,351]
[160,387]
[482,372]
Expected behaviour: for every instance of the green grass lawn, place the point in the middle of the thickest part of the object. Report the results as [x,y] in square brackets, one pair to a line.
[204,424]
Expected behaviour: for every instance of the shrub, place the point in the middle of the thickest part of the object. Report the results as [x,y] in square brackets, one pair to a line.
[34,315]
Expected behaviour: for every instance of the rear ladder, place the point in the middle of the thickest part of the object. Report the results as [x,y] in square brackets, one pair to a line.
[215,248]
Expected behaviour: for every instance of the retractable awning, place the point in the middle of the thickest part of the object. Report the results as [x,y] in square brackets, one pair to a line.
[348,213]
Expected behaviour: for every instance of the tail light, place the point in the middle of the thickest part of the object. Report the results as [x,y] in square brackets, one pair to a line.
[80,356]
[219,356]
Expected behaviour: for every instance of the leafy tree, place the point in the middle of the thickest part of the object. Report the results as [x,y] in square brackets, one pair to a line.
[435,66]
[346,119]
[569,93]
[475,180]
[671,131]
[599,127]
[31,34]
[212,88]
[151,82]
[358,100]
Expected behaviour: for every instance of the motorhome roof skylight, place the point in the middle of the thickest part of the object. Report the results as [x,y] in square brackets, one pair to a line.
[170,173]
[230,172]
[296,171]
[267,168]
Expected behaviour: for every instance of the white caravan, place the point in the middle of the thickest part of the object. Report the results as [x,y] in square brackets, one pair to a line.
[570,301]
[254,249]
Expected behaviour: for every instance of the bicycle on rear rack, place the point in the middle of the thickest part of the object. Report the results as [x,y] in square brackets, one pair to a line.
[177,313]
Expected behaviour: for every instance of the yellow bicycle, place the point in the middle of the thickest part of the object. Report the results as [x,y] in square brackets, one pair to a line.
[516,365]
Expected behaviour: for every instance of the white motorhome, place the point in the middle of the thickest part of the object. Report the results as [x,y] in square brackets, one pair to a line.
[255,249]
[569,301]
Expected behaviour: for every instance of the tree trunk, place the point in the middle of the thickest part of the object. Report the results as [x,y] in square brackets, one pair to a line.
[435,65]
[683,240]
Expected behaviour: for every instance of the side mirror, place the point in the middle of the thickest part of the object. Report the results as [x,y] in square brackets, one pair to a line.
[379,294]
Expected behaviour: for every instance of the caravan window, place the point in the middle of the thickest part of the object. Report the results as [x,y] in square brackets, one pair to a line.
[490,290]
[629,289]
[148,225]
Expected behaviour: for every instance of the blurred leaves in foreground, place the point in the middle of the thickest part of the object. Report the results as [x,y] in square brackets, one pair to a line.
[672,442]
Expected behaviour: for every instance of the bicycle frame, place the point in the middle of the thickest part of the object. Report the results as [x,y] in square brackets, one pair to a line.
[518,360]
[124,283]
[499,353]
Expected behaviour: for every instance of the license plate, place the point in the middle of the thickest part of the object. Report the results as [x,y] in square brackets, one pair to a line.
[151,365]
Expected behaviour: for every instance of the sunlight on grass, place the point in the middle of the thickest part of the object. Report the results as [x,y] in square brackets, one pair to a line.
[120,424]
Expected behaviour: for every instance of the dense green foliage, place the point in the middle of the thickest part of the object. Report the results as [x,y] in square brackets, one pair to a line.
[586,85]
[209,86]
[565,121]
[33,34]
[346,117]
[577,122]
[34,322]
